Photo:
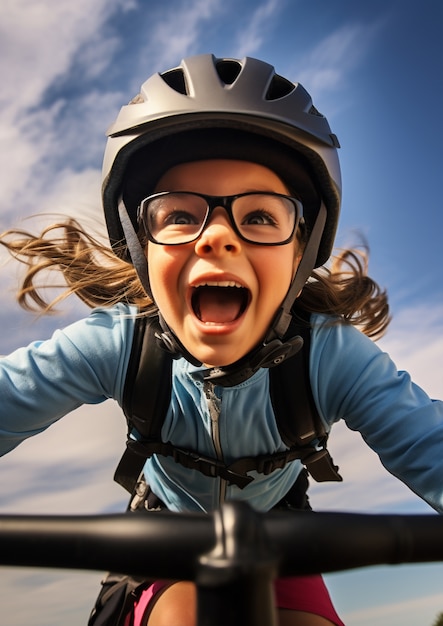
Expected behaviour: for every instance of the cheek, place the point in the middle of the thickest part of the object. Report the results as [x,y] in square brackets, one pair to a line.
[285,269]
[162,272]
[275,272]
[282,263]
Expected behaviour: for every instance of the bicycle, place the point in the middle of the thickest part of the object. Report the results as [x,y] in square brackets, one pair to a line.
[233,554]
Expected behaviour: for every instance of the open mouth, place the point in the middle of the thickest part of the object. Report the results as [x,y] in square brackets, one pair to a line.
[219,303]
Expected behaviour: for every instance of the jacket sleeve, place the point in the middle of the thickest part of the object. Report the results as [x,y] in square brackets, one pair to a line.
[352,379]
[83,364]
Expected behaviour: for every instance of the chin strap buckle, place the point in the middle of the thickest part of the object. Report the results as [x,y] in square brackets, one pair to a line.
[268,355]
[276,351]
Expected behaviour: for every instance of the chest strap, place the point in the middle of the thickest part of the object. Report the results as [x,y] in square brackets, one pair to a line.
[318,462]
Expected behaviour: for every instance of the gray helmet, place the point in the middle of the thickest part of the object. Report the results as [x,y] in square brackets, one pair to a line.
[206,97]
[223,108]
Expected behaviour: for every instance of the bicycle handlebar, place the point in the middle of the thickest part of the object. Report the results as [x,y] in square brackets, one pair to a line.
[169,545]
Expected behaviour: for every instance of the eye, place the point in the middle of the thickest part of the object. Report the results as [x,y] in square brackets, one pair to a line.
[259,217]
[179,218]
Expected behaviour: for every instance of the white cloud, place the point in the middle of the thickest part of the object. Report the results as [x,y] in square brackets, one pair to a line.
[16,159]
[415,342]
[69,467]
[47,41]
[367,486]
[423,608]
[328,65]
[253,34]
[39,40]
[53,597]
[72,194]
[38,44]
[178,31]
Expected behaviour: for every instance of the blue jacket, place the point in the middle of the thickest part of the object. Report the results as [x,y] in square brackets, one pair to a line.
[351,380]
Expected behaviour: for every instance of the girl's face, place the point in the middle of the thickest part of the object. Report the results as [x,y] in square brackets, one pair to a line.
[219,293]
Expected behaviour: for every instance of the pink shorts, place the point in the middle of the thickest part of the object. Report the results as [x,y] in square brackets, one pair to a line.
[308,593]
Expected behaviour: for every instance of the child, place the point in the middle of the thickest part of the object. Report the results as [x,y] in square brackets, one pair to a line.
[221,195]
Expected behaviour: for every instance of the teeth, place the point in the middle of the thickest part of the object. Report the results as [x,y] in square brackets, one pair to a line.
[221,283]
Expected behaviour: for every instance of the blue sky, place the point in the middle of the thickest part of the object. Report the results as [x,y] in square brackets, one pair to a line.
[376,71]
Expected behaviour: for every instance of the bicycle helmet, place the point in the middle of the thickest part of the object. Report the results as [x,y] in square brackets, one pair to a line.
[209,107]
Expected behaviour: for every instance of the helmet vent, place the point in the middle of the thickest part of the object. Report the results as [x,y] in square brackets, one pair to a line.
[176,80]
[228,70]
[279,88]
[314,111]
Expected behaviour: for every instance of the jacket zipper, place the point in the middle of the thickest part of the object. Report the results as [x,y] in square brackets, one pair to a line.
[214,406]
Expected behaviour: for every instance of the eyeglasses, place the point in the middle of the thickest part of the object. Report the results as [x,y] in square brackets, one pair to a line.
[173,218]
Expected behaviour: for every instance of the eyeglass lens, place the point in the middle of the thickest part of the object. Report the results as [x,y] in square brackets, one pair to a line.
[175,218]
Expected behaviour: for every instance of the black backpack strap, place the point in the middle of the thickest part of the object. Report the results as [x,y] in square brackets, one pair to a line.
[298,421]
[146,397]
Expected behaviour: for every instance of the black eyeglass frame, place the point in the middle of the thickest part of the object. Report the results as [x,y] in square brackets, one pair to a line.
[225,202]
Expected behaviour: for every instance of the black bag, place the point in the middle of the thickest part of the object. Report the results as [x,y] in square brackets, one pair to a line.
[116,600]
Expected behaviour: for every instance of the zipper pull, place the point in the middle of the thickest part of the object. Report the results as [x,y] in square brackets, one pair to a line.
[214,403]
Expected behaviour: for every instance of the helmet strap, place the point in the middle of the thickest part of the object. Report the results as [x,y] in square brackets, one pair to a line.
[283,318]
[135,249]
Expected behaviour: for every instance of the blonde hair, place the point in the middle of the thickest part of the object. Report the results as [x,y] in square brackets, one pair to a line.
[90,270]
[346,290]
[93,272]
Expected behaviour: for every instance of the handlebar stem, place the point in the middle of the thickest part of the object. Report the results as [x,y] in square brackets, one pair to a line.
[234,579]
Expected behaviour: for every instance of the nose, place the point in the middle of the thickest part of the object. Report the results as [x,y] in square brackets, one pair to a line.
[218,237]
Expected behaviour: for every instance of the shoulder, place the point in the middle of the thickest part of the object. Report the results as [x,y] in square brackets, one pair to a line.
[118,320]
[105,332]
[344,364]
[352,378]
[101,342]
[330,335]
[328,329]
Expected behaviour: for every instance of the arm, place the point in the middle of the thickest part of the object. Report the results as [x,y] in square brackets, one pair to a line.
[84,363]
[353,380]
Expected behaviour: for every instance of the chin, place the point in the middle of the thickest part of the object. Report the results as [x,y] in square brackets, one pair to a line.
[215,359]
[219,350]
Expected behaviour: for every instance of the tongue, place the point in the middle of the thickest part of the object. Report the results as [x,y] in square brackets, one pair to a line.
[219,304]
